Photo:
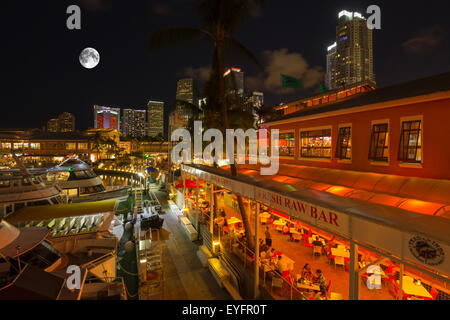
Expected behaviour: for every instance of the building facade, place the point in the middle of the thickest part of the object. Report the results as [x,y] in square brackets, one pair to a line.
[134,123]
[350,60]
[106,118]
[185,92]
[232,88]
[155,118]
[64,123]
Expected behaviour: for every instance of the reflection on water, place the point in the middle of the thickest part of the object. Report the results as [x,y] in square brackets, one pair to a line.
[111,180]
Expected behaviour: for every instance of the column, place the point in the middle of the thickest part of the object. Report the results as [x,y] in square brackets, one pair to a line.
[211,211]
[256,287]
[400,287]
[353,273]
[196,206]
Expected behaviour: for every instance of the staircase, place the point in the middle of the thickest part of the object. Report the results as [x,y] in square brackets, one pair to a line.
[138,201]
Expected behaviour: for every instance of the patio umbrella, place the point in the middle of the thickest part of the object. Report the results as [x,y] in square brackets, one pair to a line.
[189,184]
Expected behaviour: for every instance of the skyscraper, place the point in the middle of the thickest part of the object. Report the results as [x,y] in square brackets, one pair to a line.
[331,68]
[353,57]
[66,122]
[134,123]
[106,118]
[155,118]
[229,84]
[53,125]
[185,92]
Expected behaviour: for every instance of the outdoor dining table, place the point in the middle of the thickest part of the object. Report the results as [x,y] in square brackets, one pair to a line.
[279,223]
[337,252]
[265,215]
[233,220]
[412,289]
[308,286]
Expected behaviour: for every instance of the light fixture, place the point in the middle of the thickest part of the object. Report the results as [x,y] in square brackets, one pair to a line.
[143,260]
[417,282]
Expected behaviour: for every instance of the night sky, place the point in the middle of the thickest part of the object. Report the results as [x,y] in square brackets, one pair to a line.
[42,76]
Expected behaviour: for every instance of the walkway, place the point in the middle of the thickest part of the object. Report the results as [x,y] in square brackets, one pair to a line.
[185,277]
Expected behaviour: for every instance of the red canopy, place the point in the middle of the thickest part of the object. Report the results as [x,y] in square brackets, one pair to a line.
[189,184]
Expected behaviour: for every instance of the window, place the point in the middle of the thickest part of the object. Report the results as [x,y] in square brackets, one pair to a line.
[287,144]
[35,146]
[82,146]
[6,145]
[411,142]
[379,145]
[4,184]
[316,144]
[18,145]
[71,146]
[344,145]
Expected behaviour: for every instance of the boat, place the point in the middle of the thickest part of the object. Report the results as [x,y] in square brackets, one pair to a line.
[80,183]
[32,267]
[19,188]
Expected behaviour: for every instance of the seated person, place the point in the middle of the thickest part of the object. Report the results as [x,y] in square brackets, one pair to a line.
[306,272]
[320,279]
[281,266]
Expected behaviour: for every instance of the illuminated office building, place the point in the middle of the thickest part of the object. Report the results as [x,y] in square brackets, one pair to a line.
[350,59]
[134,123]
[155,118]
[106,118]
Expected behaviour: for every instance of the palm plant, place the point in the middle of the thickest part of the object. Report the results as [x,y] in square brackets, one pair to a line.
[220,20]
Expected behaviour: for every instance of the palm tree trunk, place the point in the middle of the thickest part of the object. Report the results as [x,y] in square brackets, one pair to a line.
[233,168]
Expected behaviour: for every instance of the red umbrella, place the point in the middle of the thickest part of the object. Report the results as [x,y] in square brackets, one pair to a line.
[189,184]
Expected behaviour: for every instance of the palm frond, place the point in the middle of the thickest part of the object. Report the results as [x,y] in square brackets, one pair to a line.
[240,48]
[177,36]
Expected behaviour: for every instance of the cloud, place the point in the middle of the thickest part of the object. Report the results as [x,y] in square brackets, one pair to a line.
[284,62]
[201,74]
[161,9]
[425,41]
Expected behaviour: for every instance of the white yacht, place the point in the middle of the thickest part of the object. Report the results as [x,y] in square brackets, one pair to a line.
[19,189]
[80,183]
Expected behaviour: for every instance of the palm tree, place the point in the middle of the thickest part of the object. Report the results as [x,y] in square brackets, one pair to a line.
[98,143]
[220,19]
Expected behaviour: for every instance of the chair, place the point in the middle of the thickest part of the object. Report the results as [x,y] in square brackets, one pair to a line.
[339,261]
[336,296]
[328,287]
[433,293]
[317,250]
[286,274]
[305,241]
[277,282]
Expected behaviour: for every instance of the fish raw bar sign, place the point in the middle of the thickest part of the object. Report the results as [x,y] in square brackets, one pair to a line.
[304,211]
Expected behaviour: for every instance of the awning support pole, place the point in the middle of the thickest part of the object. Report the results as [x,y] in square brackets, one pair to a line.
[211,214]
[256,288]
[196,207]
[400,287]
[353,271]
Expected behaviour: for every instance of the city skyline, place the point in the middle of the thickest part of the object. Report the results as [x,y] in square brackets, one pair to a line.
[410,35]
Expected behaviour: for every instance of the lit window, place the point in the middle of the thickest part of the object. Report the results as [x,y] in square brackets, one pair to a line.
[287,144]
[71,146]
[6,145]
[379,145]
[35,146]
[411,142]
[316,144]
[344,145]
[82,146]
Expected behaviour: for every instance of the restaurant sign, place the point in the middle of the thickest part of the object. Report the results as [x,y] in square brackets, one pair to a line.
[304,211]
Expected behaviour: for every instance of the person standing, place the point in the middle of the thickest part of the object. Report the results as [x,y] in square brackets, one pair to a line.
[268,237]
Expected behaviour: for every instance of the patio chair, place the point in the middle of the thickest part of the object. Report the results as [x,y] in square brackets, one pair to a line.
[433,293]
[317,251]
[339,261]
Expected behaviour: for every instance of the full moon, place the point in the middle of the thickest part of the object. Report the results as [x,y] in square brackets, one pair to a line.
[89,58]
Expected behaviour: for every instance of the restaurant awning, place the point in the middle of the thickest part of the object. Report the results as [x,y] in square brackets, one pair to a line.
[391,229]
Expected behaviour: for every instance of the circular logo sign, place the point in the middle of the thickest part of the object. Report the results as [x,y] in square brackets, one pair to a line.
[426,251]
